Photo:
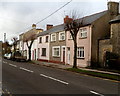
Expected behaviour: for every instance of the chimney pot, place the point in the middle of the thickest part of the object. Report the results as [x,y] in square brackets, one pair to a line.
[34,26]
[113,8]
[49,26]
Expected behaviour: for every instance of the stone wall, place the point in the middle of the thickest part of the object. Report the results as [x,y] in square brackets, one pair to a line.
[104,45]
[115,37]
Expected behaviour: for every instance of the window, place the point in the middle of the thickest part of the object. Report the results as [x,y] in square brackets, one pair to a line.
[56,51]
[40,40]
[62,36]
[46,38]
[53,37]
[80,52]
[70,36]
[38,52]
[83,33]
[43,51]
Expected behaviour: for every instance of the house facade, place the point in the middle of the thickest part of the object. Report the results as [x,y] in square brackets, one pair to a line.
[83,47]
[43,41]
[58,44]
[23,45]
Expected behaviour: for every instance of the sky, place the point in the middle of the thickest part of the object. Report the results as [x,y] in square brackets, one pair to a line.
[17,16]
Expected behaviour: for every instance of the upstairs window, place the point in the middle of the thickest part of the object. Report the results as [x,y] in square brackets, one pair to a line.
[53,37]
[47,38]
[40,40]
[80,52]
[83,33]
[62,36]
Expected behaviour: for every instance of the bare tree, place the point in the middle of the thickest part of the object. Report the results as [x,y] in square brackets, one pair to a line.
[29,38]
[6,46]
[73,25]
[14,40]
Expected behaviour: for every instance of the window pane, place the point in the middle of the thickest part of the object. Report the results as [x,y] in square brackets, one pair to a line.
[43,51]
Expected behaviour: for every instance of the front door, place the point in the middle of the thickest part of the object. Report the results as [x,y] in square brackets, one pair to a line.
[35,55]
[68,56]
[64,55]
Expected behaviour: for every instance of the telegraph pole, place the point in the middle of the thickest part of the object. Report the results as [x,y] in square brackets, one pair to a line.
[4,37]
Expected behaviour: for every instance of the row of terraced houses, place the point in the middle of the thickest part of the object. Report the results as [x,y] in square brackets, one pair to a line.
[56,45]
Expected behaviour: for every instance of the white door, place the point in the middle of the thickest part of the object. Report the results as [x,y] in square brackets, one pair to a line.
[68,59]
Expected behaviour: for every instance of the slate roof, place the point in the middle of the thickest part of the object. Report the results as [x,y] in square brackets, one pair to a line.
[116,19]
[87,20]
[57,28]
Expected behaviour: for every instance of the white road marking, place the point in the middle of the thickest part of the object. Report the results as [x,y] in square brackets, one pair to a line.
[54,79]
[96,93]
[12,65]
[26,69]
[3,61]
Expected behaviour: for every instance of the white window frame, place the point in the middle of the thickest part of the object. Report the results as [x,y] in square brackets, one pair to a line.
[80,52]
[53,52]
[60,36]
[52,37]
[83,32]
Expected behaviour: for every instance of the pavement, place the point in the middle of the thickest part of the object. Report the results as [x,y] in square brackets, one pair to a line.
[65,66]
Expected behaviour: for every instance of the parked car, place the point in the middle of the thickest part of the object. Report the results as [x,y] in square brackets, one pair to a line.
[17,56]
[7,56]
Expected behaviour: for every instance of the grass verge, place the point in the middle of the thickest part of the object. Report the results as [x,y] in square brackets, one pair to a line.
[97,74]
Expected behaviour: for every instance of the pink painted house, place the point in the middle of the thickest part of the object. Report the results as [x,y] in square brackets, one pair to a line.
[84,47]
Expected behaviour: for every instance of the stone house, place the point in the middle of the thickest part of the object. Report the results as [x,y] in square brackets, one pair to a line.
[113,43]
[29,33]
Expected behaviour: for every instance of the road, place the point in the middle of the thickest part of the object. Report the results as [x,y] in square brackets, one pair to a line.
[26,78]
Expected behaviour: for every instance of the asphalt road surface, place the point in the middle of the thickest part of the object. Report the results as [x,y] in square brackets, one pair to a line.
[26,78]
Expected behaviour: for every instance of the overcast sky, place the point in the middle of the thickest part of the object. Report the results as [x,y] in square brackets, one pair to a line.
[17,15]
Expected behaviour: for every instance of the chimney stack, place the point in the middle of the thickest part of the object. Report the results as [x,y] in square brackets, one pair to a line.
[67,19]
[49,26]
[34,26]
[113,8]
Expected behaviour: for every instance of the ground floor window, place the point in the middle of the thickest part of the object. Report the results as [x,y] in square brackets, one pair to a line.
[43,51]
[56,51]
[80,52]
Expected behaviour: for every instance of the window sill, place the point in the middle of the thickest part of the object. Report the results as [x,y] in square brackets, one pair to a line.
[82,37]
[52,41]
[61,40]
[80,57]
[56,56]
